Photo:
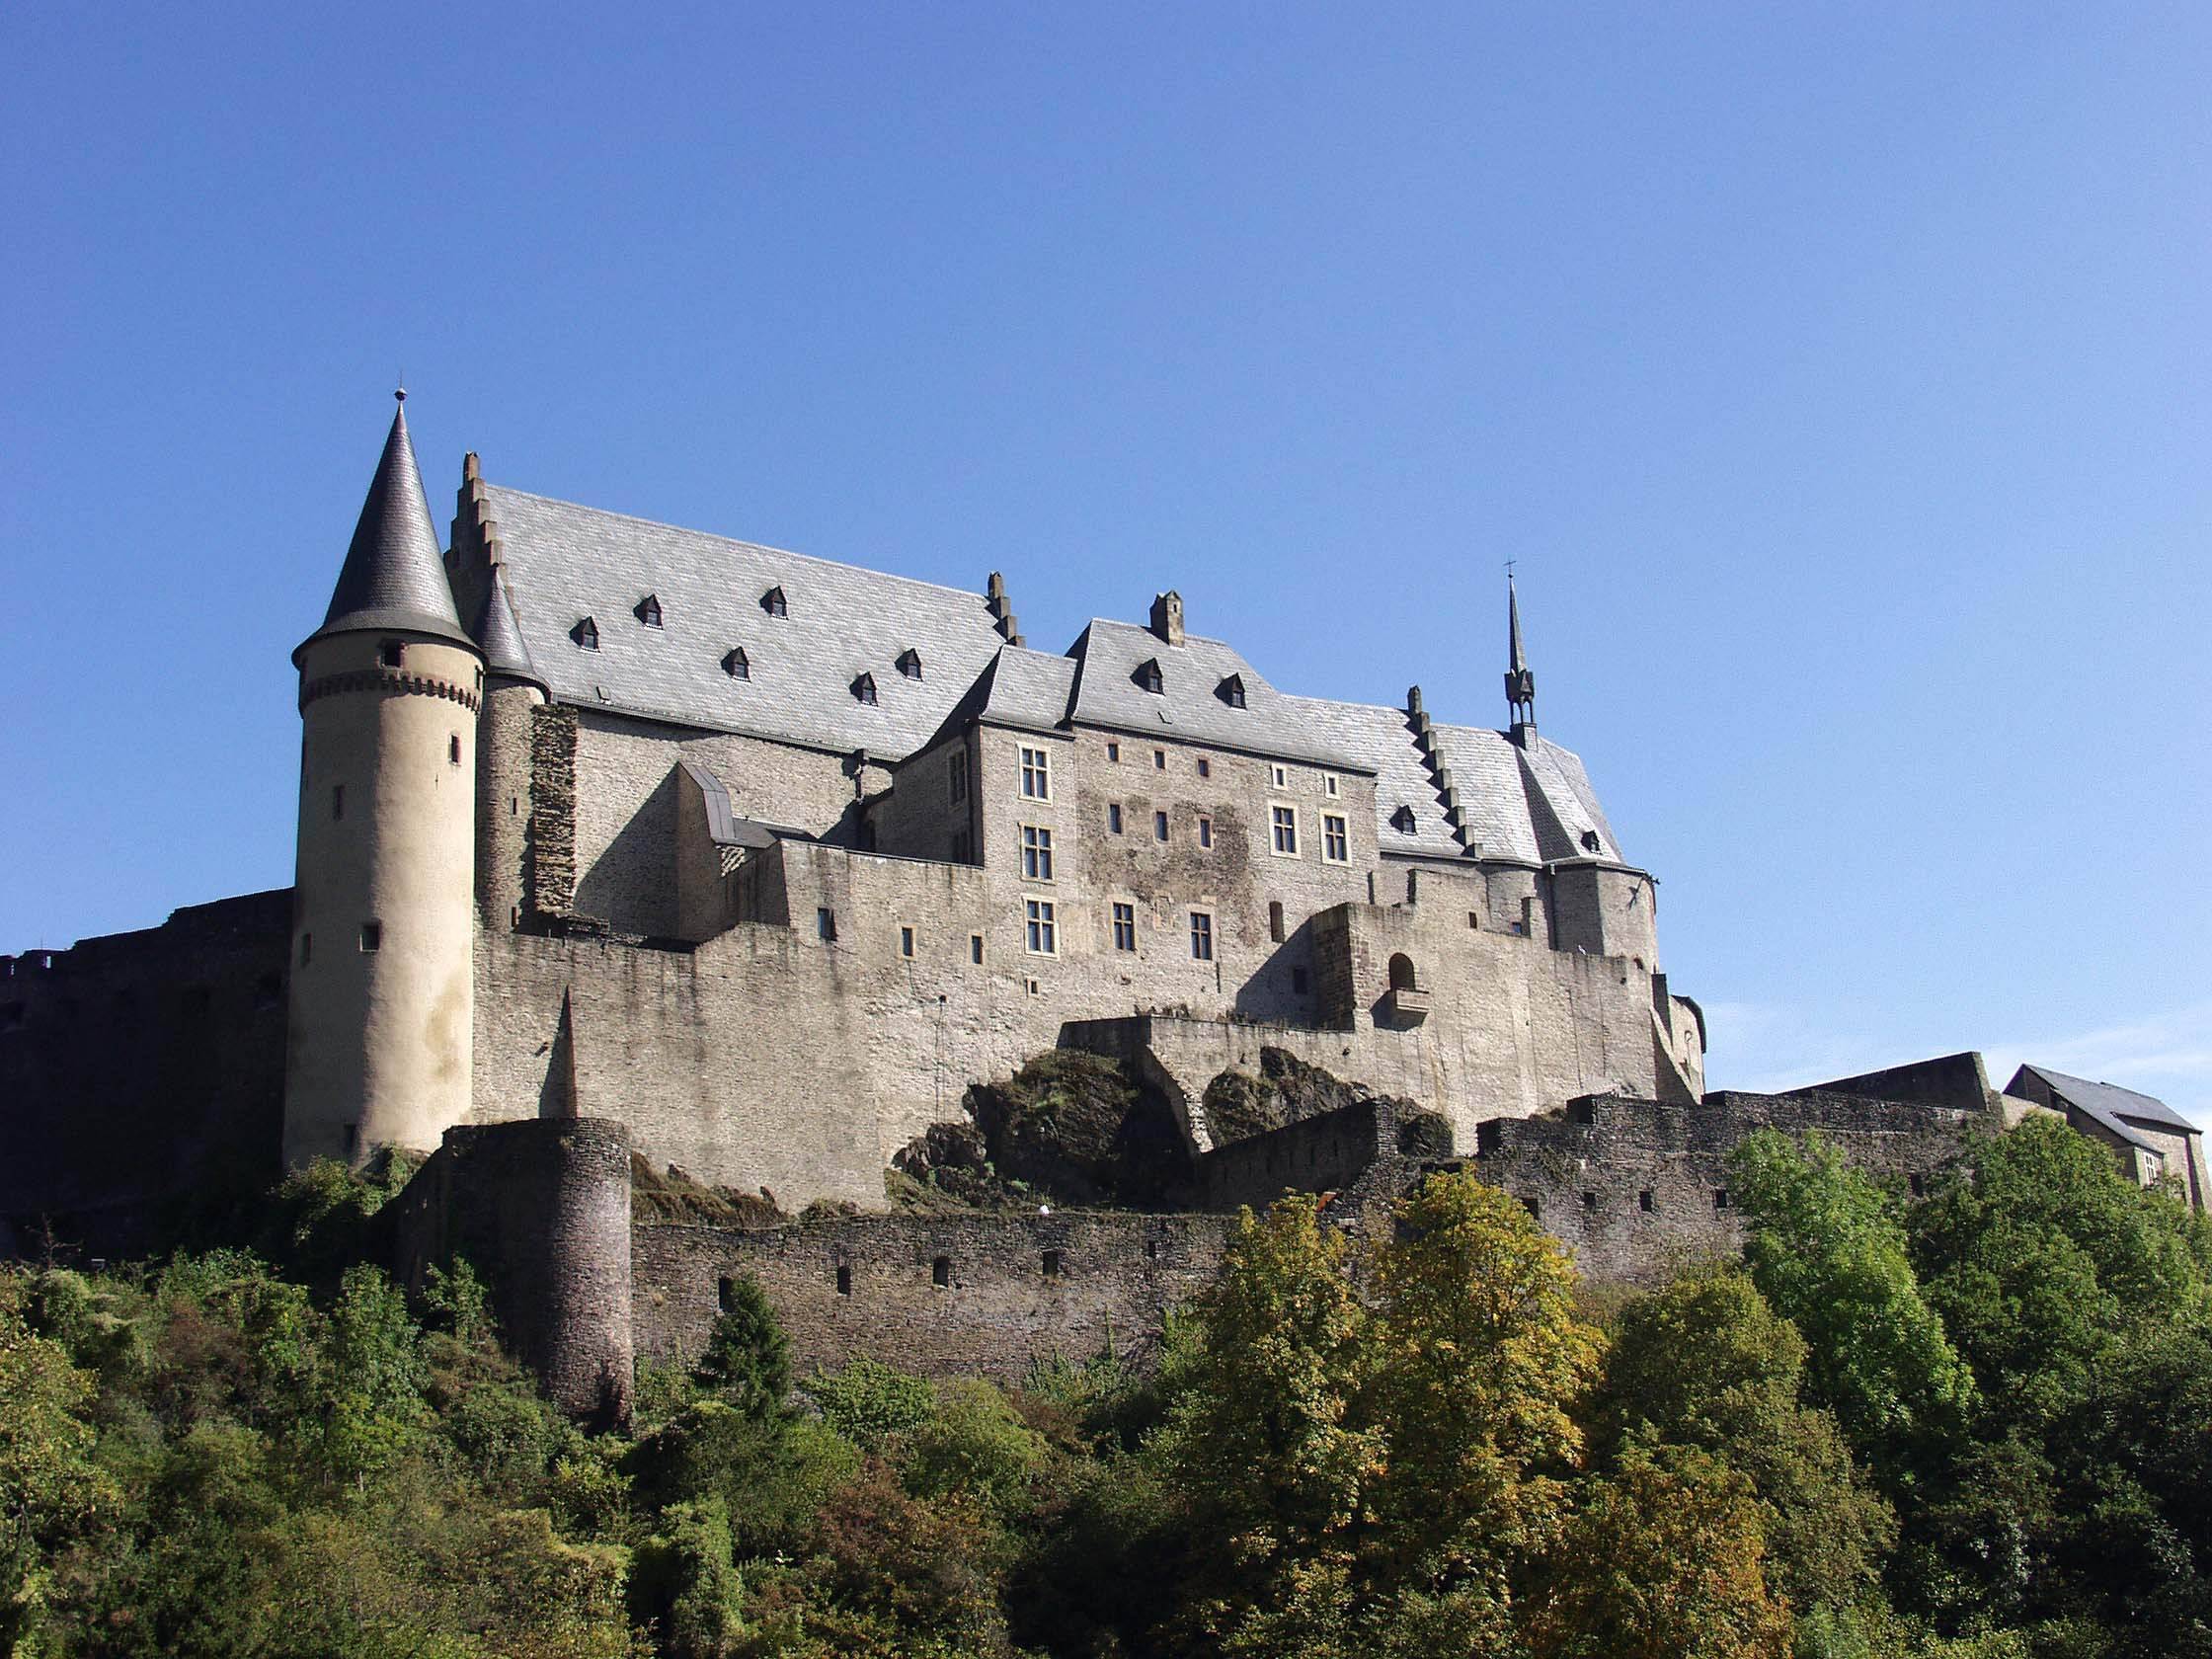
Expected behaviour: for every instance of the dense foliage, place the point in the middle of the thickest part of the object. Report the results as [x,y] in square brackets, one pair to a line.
[1976,1426]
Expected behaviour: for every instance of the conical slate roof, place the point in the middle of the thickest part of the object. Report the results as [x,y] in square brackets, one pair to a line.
[394,577]
[500,637]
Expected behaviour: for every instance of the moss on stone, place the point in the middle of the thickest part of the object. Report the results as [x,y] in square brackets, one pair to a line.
[673,1196]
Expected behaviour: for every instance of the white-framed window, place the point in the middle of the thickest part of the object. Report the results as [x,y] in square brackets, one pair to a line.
[1279,776]
[1329,783]
[1043,930]
[1336,845]
[1125,926]
[1283,831]
[956,774]
[1205,831]
[1202,936]
[1036,853]
[1036,774]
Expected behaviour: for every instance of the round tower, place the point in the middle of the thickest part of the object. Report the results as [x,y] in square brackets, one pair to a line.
[379,1043]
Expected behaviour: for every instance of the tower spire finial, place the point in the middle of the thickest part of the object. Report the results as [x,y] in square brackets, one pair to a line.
[1519,681]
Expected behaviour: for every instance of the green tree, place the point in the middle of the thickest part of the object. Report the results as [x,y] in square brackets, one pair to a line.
[747,1357]
[1826,1249]
[685,1585]
[49,1483]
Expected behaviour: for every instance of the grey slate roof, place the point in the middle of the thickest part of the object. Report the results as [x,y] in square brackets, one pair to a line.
[1189,705]
[565,562]
[1383,741]
[2115,1107]
[394,575]
[1532,805]
[500,637]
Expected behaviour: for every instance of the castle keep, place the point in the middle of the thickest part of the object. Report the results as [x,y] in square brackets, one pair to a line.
[761,862]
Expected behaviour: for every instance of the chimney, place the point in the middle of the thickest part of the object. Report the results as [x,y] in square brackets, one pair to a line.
[1167,616]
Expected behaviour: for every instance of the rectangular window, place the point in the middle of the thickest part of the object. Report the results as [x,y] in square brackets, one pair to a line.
[1284,821]
[1124,927]
[1036,775]
[1281,775]
[976,949]
[826,924]
[906,941]
[453,749]
[1205,831]
[1205,766]
[957,774]
[1114,752]
[1336,845]
[338,800]
[1036,853]
[1159,826]
[1113,817]
[1043,934]
[1202,936]
[1159,760]
[373,935]
[1329,783]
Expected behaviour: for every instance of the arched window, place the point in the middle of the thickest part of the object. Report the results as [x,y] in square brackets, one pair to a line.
[1402,972]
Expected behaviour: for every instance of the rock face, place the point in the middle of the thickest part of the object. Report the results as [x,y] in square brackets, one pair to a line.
[1288,1090]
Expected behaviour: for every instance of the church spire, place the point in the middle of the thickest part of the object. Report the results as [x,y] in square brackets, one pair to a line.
[1519,681]
[394,575]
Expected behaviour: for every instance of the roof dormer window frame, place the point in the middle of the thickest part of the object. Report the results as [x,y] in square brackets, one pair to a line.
[1232,691]
[774,603]
[864,688]
[736,663]
[649,610]
[909,662]
[1403,821]
[1149,678]
[586,633]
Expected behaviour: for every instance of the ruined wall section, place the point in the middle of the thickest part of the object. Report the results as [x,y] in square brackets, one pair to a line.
[541,1211]
[143,1071]
[1016,1289]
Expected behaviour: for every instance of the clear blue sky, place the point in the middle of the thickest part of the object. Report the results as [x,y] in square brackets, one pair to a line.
[1837,375]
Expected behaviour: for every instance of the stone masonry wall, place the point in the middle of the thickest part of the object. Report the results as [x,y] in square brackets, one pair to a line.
[1002,1306]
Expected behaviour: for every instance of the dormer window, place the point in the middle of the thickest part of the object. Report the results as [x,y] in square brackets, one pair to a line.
[864,688]
[1590,841]
[909,662]
[649,611]
[737,665]
[586,634]
[1402,820]
[1232,690]
[1149,678]
[772,602]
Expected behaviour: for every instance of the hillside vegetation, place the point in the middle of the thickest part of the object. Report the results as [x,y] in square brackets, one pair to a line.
[1976,1426]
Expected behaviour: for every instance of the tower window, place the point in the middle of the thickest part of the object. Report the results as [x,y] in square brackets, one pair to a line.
[906,941]
[1275,927]
[1159,826]
[1205,831]
[453,749]
[976,949]
[373,935]
[1202,936]
[772,602]
[940,1273]
[391,653]
[725,1294]
[864,688]
[1124,927]
[1205,766]
[825,924]
[1644,1201]
[1159,760]
[337,801]
[845,1280]
[1114,752]
[736,663]
[1149,678]
[1051,1264]
[586,634]
[1588,1201]
[649,611]
[1721,1198]
[1474,921]
[909,662]
[1113,817]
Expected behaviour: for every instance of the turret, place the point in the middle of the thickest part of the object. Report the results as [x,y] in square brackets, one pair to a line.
[378,1048]
[1519,681]
[512,688]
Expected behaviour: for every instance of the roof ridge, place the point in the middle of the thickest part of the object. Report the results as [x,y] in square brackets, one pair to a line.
[735,541]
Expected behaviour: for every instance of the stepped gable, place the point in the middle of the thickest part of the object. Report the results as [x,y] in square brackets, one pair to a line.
[1190,704]
[394,575]
[565,562]
[1383,741]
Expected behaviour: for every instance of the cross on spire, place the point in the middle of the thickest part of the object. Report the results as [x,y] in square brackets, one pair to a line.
[1520,679]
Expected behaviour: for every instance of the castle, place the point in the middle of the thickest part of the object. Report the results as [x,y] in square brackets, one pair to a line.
[767,860]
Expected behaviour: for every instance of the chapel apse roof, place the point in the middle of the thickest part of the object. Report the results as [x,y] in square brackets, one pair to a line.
[838,623]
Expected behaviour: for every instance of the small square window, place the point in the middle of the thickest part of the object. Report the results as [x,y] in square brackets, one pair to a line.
[1279,776]
[906,941]
[373,935]
[1721,1198]
[1329,783]
[1124,927]
[391,653]
[1113,817]
[940,1273]
[1159,826]
[1205,831]
[1588,1201]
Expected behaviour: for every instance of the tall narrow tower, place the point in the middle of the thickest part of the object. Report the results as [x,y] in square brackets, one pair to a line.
[379,1043]
[1519,681]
